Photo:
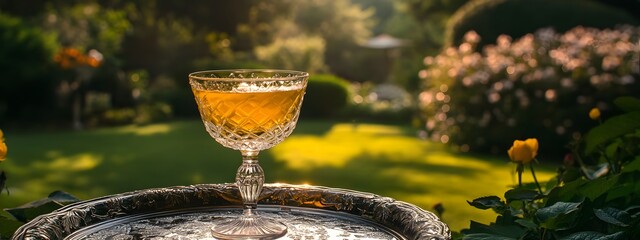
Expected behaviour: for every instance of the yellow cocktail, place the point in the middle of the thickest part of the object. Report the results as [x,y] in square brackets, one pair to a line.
[249,110]
[248,115]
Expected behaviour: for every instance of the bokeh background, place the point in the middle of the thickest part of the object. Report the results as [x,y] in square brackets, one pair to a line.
[415,100]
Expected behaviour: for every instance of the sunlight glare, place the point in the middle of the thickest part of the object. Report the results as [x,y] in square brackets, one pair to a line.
[147,130]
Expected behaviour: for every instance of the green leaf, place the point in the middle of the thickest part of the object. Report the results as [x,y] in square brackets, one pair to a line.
[613,216]
[485,236]
[506,226]
[568,192]
[63,197]
[611,129]
[598,187]
[624,188]
[502,227]
[632,209]
[521,194]
[583,236]
[628,104]
[559,216]
[570,175]
[31,210]
[614,236]
[515,208]
[487,202]
[557,209]
[456,235]
[8,227]
[632,166]
[527,223]
[476,227]
[611,150]
[590,235]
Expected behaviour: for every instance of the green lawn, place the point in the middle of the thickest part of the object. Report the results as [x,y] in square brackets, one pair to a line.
[382,159]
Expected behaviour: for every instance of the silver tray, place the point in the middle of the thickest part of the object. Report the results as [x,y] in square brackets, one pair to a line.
[187,212]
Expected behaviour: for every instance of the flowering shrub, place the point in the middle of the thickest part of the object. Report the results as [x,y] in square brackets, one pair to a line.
[595,194]
[69,58]
[535,85]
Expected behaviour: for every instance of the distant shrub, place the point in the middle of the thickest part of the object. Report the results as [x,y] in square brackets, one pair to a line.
[301,53]
[114,117]
[152,112]
[142,114]
[326,95]
[542,85]
[491,18]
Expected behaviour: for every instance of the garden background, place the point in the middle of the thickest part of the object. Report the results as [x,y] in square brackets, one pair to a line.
[415,100]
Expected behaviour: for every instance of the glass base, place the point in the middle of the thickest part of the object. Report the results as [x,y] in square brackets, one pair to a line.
[249,227]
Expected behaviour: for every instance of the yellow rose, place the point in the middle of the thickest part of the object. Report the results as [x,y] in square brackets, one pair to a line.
[594,114]
[524,151]
[3,147]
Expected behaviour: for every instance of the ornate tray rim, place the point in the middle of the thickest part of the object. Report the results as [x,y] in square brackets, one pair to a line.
[404,218]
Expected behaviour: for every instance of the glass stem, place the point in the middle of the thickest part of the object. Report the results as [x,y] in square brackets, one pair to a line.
[249,179]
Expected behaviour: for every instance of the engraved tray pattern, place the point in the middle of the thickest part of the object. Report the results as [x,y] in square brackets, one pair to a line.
[406,219]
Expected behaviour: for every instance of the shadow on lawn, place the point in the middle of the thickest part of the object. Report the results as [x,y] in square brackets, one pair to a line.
[106,161]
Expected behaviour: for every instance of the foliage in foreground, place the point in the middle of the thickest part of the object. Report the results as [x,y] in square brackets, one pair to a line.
[595,195]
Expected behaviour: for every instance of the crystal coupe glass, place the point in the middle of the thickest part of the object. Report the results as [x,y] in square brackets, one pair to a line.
[249,110]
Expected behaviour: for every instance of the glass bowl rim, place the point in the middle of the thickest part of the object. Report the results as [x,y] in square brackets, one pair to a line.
[296,75]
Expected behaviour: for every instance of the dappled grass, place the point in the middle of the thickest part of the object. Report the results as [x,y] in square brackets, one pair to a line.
[390,161]
[386,160]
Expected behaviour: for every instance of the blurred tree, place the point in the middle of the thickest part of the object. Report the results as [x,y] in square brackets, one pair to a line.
[342,24]
[170,30]
[172,38]
[301,52]
[85,27]
[402,24]
[264,23]
[25,63]
[337,21]
[432,16]
[159,40]
[167,38]
[516,18]
[630,6]
[384,10]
